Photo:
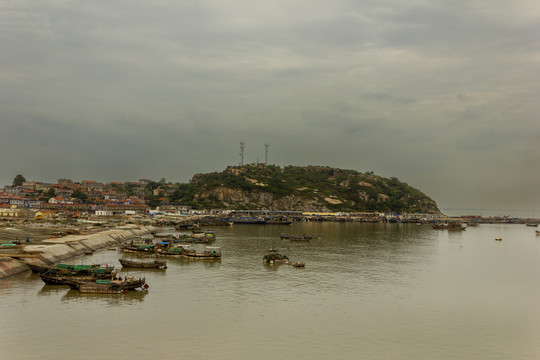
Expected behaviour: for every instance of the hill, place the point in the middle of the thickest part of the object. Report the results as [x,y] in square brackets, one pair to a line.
[310,188]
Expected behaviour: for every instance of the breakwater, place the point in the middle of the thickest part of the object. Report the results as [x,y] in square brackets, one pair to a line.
[55,250]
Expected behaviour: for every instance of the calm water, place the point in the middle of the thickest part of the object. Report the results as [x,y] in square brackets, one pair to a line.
[369,291]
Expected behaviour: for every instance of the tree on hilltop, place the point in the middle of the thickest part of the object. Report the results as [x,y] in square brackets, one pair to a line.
[18,181]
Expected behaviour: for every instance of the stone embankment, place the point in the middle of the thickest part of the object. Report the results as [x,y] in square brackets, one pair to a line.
[55,250]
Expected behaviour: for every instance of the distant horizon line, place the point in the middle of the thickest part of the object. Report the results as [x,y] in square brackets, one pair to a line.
[490,209]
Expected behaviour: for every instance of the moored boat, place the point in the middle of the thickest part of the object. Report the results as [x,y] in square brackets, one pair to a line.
[273,257]
[192,252]
[102,287]
[109,286]
[142,248]
[247,220]
[277,221]
[156,264]
[63,277]
[205,237]
[80,269]
[297,237]
[453,226]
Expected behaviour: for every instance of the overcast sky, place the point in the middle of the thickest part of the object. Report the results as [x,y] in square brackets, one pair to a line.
[443,95]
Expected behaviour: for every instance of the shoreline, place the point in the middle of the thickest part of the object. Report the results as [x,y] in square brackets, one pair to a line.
[54,250]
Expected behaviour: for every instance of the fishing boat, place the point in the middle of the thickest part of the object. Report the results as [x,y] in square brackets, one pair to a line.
[156,264]
[452,226]
[277,221]
[273,257]
[296,237]
[80,269]
[247,220]
[99,287]
[193,253]
[64,277]
[109,286]
[205,237]
[138,248]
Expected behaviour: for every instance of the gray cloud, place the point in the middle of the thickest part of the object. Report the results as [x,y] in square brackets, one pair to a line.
[443,97]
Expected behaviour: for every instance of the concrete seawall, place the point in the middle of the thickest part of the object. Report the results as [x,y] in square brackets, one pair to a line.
[56,250]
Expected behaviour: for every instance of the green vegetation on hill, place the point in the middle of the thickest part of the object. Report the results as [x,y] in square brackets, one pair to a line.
[311,188]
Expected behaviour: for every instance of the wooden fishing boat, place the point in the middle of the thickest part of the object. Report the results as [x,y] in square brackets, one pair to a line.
[53,277]
[59,276]
[296,237]
[205,237]
[81,269]
[156,264]
[102,287]
[298,264]
[132,283]
[209,253]
[273,257]
[191,252]
[452,226]
[139,249]
[109,286]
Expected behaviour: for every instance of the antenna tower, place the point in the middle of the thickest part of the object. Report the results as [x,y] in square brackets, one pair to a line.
[266,146]
[242,145]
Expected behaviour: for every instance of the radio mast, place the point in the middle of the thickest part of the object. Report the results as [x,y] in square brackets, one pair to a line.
[266,146]
[242,145]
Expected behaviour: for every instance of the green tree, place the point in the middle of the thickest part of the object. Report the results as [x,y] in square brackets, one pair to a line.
[77,194]
[152,185]
[51,193]
[18,181]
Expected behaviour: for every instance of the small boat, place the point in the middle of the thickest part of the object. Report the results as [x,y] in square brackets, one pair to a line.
[64,277]
[537,232]
[498,239]
[531,224]
[452,226]
[205,237]
[297,237]
[143,248]
[81,269]
[156,264]
[109,286]
[273,257]
[132,283]
[190,252]
[99,287]
[209,253]
[247,220]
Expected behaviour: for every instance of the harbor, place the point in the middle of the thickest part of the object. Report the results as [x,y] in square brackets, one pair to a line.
[413,286]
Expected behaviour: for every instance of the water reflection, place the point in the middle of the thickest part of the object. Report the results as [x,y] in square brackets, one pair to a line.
[48,290]
[124,299]
[180,262]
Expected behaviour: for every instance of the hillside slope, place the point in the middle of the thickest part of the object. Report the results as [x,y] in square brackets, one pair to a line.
[310,188]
